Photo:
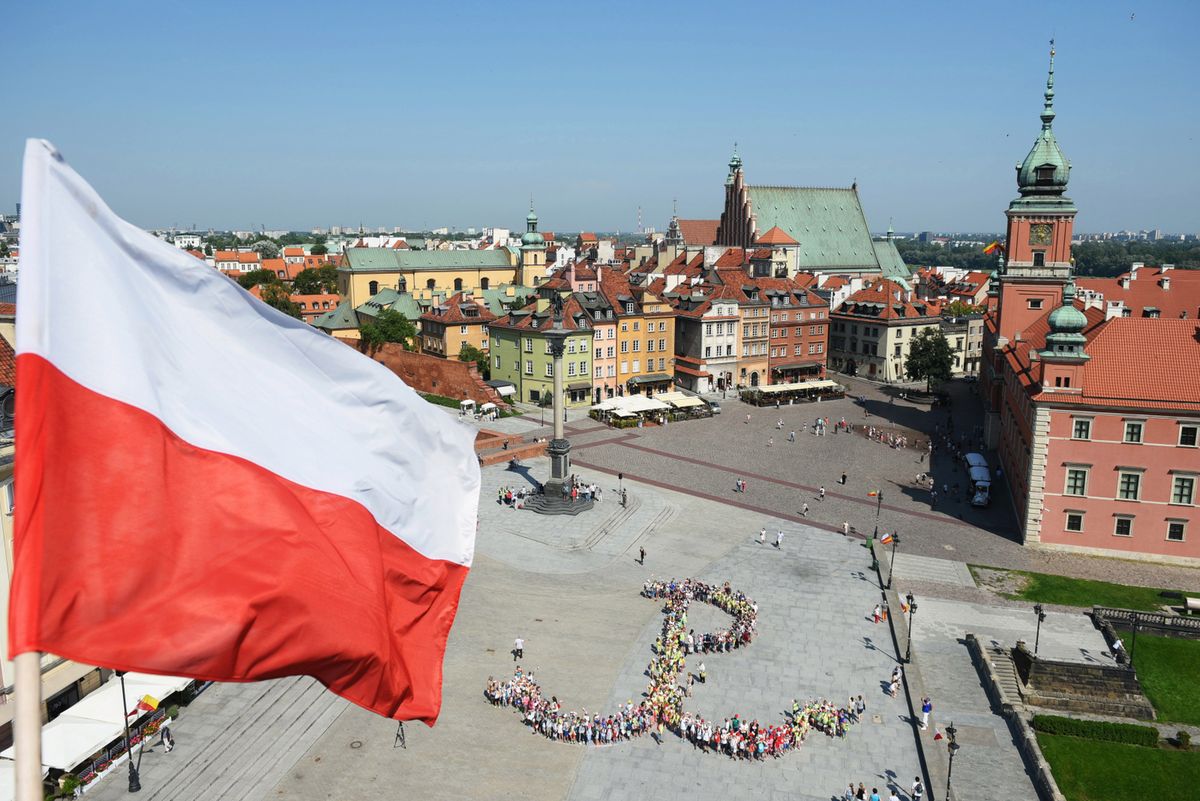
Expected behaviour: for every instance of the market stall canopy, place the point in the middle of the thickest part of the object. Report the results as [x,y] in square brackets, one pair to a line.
[98,719]
[679,400]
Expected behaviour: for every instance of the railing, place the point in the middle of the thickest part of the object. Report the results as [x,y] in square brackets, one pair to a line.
[137,735]
[1176,625]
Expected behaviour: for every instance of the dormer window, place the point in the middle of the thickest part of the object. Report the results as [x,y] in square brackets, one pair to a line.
[1045,174]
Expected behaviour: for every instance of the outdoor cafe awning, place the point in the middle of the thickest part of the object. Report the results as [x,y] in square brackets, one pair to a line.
[98,719]
[655,378]
[679,400]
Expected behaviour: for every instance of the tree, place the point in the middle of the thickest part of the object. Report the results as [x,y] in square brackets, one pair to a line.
[470,353]
[3,248]
[275,294]
[318,249]
[389,326]
[960,308]
[266,248]
[208,250]
[929,357]
[316,280]
[257,277]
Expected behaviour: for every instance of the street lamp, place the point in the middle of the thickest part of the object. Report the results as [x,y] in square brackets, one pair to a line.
[912,608]
[1133,645]
[1041,615]
[953,747]
[135,783]
[878,505]
[892,566]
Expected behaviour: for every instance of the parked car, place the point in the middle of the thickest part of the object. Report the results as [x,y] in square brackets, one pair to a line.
[714,407]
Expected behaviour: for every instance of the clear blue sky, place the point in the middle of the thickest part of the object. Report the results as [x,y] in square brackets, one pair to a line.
[296,114]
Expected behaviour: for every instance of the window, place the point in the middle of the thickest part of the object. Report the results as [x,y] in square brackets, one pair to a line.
[811,349]
[462,329]
[1187,436]
[897,350]
[570,346]
[612,333]
[624,367]
[571,368]
[798,350]
[629,308]
[609,352]
[549,369]
[496,363]
[650,345]
[484,282]
[599,371]
[1129,486]
[1034,303]
[625,347]
[1081,428]
[637,345]
[528,367]
[707,351]
[1175,530]
[637,326]
[528,345]
[599,352]
[612,370]
[708,329]
[637,365]
[662,344]
[729,350]
[1039,259]
[624,327]
[458,285]
[1074,521]
[814,330]
[1076,481]
[1182,490]
[1133,431]
[662,364]
[1123,527]
[784,317]
[373,288]
[431,284]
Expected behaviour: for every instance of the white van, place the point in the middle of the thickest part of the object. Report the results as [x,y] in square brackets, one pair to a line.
[981,483]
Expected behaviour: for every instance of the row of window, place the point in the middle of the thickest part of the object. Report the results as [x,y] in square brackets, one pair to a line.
[708,351]
[1081,428]
[813,347]
[729,328]
[572,369]
[783,316]
[757,349]
[318,305]
[1123,526]
[1129,485]
[662,325]
[776,333]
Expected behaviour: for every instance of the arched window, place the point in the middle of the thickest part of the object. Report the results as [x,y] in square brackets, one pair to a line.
[1039,259]
[403,284]
[483,282]
[430,284]
[458,285]
[373,288]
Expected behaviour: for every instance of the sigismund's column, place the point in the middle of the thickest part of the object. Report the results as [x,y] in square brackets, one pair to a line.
[559,449]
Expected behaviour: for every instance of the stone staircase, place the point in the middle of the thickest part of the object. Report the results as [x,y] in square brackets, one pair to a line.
[235,742]
[1005,672]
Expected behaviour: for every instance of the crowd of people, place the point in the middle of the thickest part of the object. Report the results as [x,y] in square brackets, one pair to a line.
[889,438]
[662,705]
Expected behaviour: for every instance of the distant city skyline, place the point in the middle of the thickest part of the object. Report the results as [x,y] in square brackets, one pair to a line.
[181,119]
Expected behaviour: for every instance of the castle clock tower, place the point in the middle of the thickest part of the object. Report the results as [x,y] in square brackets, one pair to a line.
[1040,224]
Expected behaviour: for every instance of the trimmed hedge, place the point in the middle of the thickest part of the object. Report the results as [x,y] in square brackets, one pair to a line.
[1126,733]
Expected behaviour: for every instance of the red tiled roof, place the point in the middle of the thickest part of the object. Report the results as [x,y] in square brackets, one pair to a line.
[732,257]
[249,258]
[1132,358]
[884,296]
[776,236]
[199,254]
[8,310]
[1146,291]
[400,245]
[587,236]
[227,255]
[699,232]
[452,311]
[8,363]
[292,250]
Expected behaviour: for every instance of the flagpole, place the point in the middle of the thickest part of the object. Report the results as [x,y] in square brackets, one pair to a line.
[27,725]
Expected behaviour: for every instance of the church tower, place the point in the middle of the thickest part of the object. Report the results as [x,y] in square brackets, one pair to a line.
[533,253]
[1040,223]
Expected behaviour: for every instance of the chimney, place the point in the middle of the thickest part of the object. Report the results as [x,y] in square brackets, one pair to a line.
[1165,282]
[1017,337]
[1133,271]
[1124,282]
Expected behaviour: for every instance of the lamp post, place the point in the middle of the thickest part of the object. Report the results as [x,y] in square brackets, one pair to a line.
[912,608]
[878,505]
[952,747]
[1041,615]
[135,783]
[1133,645]
[892,566]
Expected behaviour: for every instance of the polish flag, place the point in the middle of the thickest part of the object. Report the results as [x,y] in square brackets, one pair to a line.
[210,488]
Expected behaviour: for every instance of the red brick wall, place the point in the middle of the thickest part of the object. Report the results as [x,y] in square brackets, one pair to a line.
[448,377]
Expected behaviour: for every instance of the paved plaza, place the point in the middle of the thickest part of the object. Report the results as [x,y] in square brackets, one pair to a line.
[571,588]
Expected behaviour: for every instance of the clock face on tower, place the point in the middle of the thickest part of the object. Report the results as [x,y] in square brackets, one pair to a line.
[1040,234]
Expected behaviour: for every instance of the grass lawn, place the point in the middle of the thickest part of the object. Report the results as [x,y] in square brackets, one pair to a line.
[1167,669]
[1050,589]
[1087,770]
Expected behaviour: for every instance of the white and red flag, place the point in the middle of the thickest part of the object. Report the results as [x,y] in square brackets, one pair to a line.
[207,487]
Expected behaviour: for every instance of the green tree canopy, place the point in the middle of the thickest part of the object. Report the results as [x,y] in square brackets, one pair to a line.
[315,280]
[319,249]
[389,326]
[208,249]
[3,248]
[275,294]
[960,308]
[266,248]
[257,277]
[929,358]
[470,353]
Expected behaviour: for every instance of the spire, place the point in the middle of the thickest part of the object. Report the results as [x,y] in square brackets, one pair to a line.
[1048,110]
[735,161]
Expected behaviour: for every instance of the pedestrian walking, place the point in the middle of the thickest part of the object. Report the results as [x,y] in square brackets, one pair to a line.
[804,510]
[791,436]
[779,539]
[762,535]
[846,528]
[518,649]
[860,707]
[641,556]
[702,674]
[747,419]
[849,794]
[918,789]
[843,479]
[926,708]
[822,493]
[779,424]
[892,795]
[168,740]
[875,794]
[770,441]
[876,612]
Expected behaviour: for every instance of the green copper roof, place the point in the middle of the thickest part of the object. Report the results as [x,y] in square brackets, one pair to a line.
[389,260]
[829,224]
[1045,170]
[401,302]
[1066,327]
[499,302]
[890,261]
[336,319]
